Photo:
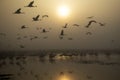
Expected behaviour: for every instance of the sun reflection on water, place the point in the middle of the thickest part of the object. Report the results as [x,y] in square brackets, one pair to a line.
[64,77]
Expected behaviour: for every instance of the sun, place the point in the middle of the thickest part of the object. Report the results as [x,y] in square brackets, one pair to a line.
[63,11]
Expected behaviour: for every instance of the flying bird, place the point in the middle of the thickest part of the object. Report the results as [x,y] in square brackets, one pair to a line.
[102,24]
[45,16]
[76,25]
[44,31]
[23,27]
[18,11]
[65,25]
[90,17]
[36,18]
[31,4]
[62,32]
[90,22]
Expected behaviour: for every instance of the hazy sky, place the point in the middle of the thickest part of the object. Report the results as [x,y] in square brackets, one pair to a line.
[103,37]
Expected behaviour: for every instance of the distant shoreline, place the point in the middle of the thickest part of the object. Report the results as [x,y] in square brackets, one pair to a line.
[79,51]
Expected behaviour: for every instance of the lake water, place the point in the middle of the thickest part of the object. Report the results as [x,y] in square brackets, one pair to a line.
[61,66]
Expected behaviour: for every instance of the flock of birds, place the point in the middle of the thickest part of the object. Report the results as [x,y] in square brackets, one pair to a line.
[62,32]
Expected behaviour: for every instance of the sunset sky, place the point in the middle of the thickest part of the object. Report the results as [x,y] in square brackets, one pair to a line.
[60,12]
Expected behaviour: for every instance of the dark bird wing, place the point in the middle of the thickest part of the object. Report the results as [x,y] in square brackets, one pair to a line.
[62,32]
[45,16]
[22,27]
[65,25]
[31,3]
[76,25]
[90,17]
[102,24]
[37,16]
[90,22]
[18,11]
[93,21]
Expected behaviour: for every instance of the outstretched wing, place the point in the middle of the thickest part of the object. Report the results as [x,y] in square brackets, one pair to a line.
[90,22]
[45,16]
[76,25]
[37,16]
[31,3]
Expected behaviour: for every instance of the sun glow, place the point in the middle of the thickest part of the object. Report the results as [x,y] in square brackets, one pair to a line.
[64,78]
[63,11]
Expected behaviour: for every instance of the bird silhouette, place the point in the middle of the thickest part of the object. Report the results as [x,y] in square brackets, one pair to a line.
[45,16]
[36,18]
[102,24]
[90,17]
[44,31]
[90,22]
[62,32]
[23,27]
[31,4]
[76,25]
[65,26]
[18,11]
